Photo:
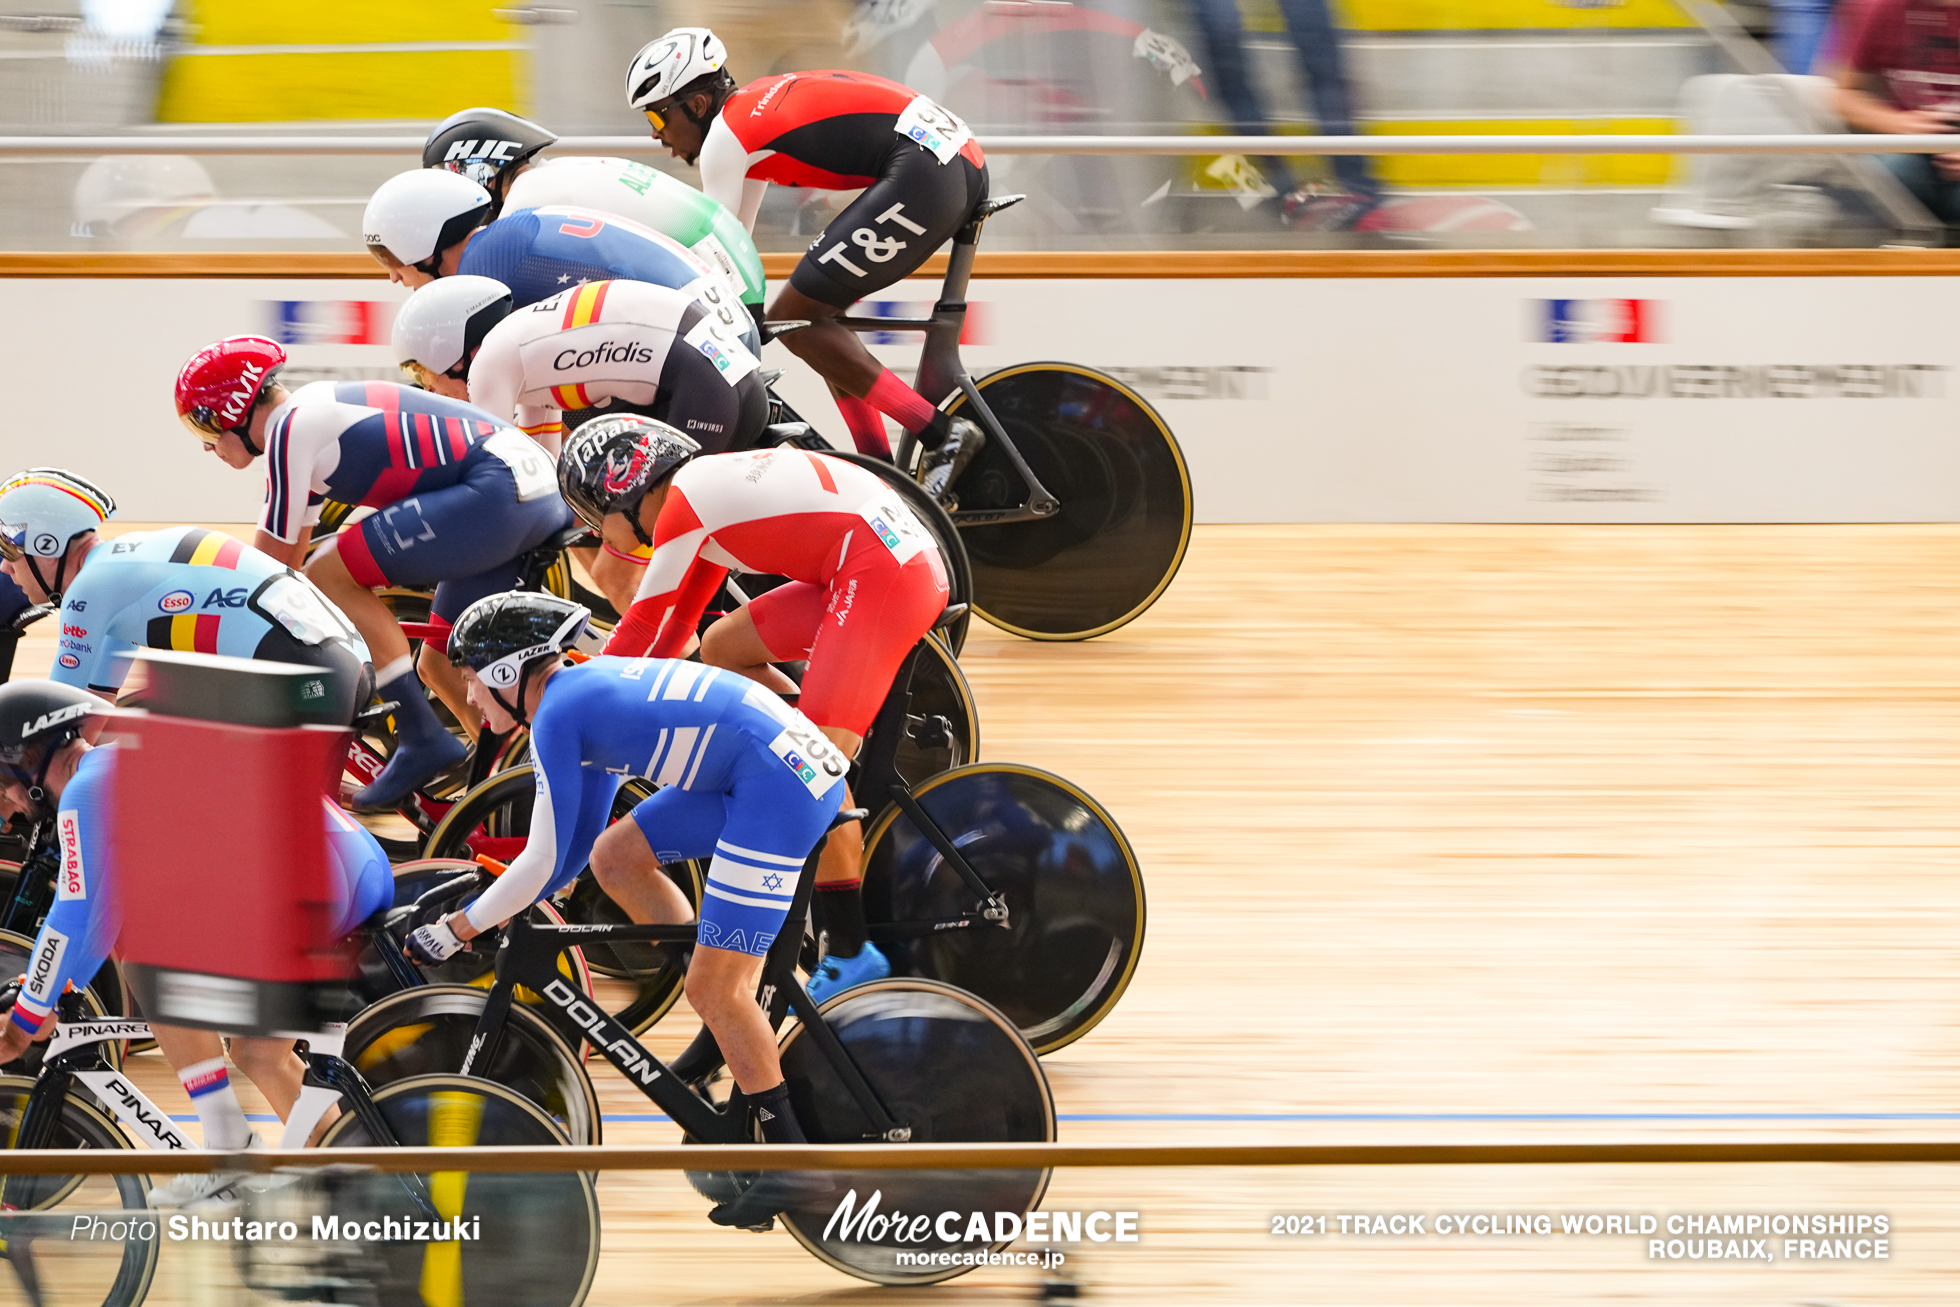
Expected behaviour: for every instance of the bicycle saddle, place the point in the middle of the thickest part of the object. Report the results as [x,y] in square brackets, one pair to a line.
[577,535]
[953,613]
[771,330]
[988,208]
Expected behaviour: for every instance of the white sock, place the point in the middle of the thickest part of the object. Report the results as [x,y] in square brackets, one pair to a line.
[218,1110]
[400,667]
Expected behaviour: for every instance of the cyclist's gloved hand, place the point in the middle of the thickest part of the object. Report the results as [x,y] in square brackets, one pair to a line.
[433,944]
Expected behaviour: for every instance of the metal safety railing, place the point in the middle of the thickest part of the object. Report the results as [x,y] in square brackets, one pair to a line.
[969,1157]
[1817,143]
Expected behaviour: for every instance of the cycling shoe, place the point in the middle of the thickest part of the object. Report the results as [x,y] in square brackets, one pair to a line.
[772,1194]
[834,975]
[413,764]
[942,467]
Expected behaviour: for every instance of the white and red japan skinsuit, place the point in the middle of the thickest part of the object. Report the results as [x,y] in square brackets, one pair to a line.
[866,580]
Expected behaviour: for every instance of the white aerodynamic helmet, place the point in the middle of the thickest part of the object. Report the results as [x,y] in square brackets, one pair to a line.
[664,66]
[113,188]
[416,215]
[445,322]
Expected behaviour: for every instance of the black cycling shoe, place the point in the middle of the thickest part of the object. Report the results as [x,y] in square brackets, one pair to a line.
[942,467]
[773,1193]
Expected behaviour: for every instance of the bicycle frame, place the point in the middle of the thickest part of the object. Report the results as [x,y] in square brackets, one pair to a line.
[877,779]
[528,956]
[942,372]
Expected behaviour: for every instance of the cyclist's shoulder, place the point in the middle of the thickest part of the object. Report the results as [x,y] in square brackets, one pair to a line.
[788,100]
[88,790]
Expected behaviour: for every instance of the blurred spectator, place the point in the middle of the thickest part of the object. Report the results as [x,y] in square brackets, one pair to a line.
[144,199]
[1798,30]
[1901,76]
[1318,46]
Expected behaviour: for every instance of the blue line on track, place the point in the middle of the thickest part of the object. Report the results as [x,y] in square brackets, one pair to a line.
[637,1118]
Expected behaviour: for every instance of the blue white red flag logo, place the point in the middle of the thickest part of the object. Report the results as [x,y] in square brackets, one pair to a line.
[331,322]
[1598,322]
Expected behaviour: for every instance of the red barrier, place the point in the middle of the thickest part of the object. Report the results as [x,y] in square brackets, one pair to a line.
[222,862]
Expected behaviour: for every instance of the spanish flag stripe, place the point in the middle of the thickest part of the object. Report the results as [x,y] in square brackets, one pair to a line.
[566,396]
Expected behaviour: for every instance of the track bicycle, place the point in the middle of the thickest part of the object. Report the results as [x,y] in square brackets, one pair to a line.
[80,1097]
[895,1061]
[1077,512]
[1002,879]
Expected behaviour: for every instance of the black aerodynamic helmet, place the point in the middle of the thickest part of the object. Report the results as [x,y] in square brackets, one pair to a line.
[609,464]
[483,143]
[501,637]
[37,718]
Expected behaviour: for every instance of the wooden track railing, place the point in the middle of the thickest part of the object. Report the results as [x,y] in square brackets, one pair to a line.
[1137,264]
[970,1157]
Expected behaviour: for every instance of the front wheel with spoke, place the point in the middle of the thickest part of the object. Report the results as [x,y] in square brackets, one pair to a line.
[427,1030]
[636,982]
[1125,494]
[947,1068]
[1068,878]
[532,1239]
[44,1217]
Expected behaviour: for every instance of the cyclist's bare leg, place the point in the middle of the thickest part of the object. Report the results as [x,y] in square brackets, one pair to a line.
[733,643]
[626,869]
[612,576]
[836,353]
[371,617]
[440,675]
[721,987]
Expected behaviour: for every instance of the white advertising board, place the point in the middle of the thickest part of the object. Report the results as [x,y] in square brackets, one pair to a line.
[1744,399]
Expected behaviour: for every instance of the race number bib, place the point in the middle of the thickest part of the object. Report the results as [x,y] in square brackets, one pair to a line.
[527,462]
[292,602]
[729,355]
[938,129]
[893,521]
[716,256]
[814,759]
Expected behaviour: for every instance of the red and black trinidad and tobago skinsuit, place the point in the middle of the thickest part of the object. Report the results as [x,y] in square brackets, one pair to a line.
[922,170]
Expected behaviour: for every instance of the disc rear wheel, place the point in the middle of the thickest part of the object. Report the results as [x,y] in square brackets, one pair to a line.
[1125,517]
[950,1069]
[1071,884]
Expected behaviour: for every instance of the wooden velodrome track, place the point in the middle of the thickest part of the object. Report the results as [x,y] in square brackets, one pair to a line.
[1469,834]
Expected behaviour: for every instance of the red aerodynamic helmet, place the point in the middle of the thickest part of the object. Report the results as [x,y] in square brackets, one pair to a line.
[218,386]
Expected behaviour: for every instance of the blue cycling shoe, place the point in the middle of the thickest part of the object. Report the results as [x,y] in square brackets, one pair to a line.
[835,975]
[423,749]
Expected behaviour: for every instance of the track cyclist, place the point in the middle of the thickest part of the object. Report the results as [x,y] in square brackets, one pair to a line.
[179,588]
[744,778]
[605,347]
[866,582]
[461,497]
[429,224]
[49,769]
[923,175]
[498,151]
[600,349]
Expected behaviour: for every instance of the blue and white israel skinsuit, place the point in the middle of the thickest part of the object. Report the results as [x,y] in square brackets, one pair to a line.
[746,781]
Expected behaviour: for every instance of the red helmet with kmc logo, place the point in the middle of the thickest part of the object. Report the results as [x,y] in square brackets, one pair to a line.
[218,386]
